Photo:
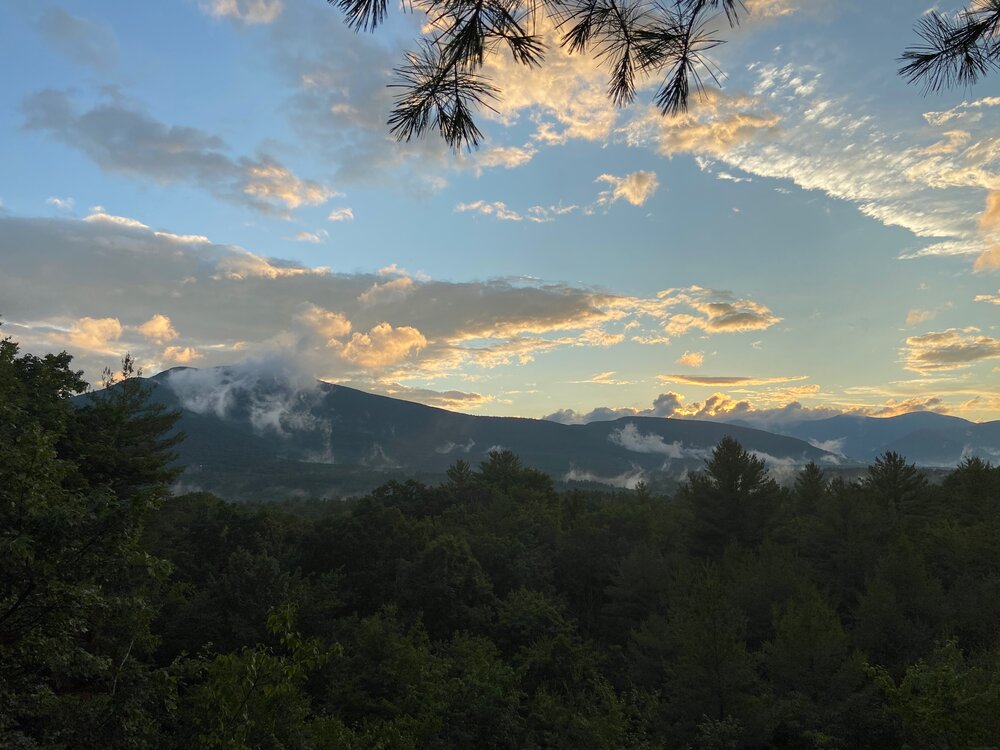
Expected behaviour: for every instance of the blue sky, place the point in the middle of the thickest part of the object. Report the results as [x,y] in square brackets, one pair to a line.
[205,181]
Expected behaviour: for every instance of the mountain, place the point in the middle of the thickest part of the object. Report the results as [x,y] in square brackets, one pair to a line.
[267,433]
[925,438]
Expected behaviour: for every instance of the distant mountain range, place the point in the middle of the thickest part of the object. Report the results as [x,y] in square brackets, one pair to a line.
[260,433]
[925,438]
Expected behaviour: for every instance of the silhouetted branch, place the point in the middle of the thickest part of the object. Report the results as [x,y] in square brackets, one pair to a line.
[955,50]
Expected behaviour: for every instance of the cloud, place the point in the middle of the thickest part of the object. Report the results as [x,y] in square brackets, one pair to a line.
[714,311]
[989,225]
[82,41]
[158,329]
[566,98]
[993,298]
[228,303]
[691,359]
[922,184]
[127,141]
[63,204]
[917,316]
[96,334]
[952,349]
[728,380]
[636,188]
[311,237]
[453,400]
[181,355]
[383,345]
[630,438]
[327,323]
[771,8]
[341,214]
[665,405]
[628,480]
[244,11]
[386,291]
[715,125]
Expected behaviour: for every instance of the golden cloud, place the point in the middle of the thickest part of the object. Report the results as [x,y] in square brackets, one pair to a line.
[383,346]
[158,329]
[95,333]
[949,350]
[711,380]
[691,359]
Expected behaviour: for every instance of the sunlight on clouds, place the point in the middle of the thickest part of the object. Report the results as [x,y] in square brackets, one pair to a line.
[727,380]
[96,334]
[181,355]
[714,125]
[277,184]
[247,11]
[566,97]
[989,224]
[917,316]
[121,138]
[327,323]
[771,8]
[386,291]
[158,329]
[994,298]
[636,188]
[691,359]
[718,312]
[383,345]
[952,349]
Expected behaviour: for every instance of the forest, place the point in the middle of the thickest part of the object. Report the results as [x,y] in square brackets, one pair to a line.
[490,611]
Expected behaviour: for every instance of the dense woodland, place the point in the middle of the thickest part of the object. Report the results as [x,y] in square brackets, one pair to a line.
[490,611]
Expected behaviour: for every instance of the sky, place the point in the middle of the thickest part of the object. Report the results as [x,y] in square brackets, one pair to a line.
[208,182]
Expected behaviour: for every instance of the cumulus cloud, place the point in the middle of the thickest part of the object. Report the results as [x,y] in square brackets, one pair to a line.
[691,359]
[952,349]
[993,298]
[383,345]
[96,334]
[83,41]
[387,291]
[125,140]
[327,323]
[636,188]
[244,11]
[181,355]
[158,329]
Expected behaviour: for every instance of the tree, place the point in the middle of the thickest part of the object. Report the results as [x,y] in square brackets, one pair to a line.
[956,50]
[442,83]
[76,588]
[731,502]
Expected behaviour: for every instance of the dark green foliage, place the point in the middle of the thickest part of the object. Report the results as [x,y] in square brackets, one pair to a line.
[491,611]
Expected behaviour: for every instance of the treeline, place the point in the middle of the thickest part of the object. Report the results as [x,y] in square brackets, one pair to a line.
[490,611]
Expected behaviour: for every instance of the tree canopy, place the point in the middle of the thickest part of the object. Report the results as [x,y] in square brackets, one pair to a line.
[491,610]
[442,84]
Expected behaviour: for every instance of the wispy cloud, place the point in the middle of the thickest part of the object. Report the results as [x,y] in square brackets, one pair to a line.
[244,11]
[85,42]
